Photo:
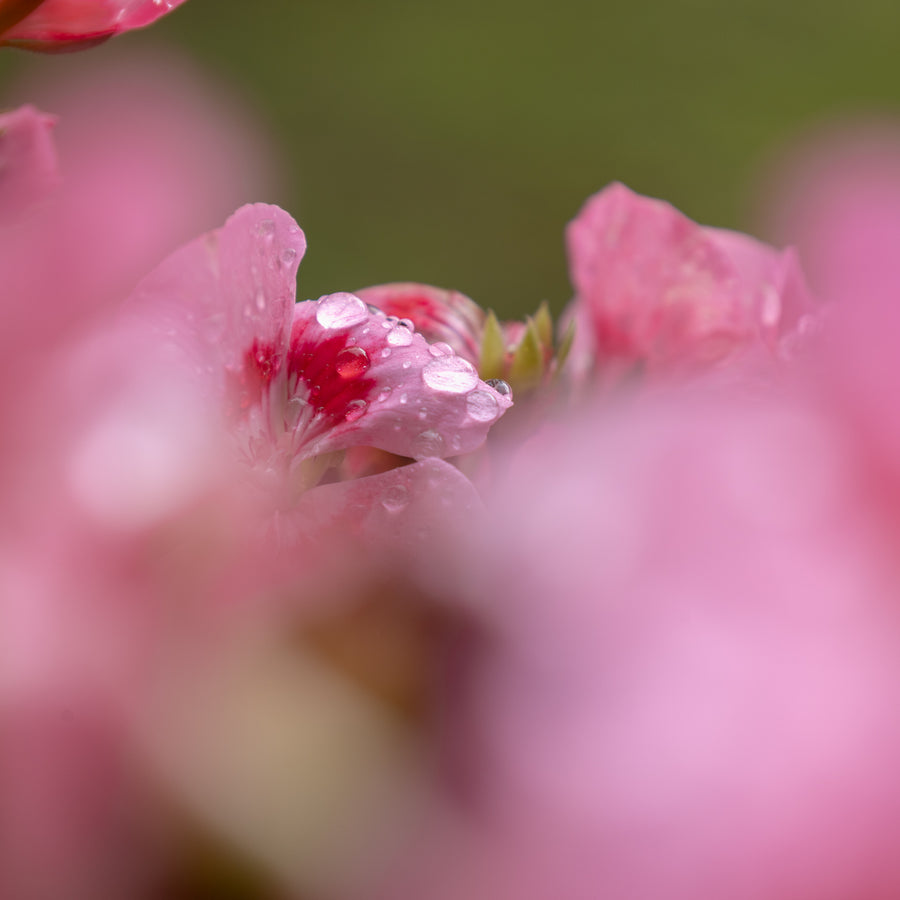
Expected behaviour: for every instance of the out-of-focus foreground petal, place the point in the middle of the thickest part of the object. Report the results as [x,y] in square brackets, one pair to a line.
[688,684]
[55,26]
[151,157]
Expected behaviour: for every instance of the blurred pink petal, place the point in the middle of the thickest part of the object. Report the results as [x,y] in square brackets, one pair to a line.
[688,683]
[57,26]
[150,157]
[654,290]
[28,166]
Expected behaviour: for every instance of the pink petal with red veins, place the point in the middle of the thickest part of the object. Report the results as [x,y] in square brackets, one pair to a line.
[226,299]
[369,380]
[438,314]
[60,25]
[28,167]
[656,288]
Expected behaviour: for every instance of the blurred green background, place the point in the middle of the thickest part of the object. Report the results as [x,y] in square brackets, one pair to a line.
[451,142]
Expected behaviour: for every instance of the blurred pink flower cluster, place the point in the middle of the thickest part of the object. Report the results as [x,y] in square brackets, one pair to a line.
[282,614]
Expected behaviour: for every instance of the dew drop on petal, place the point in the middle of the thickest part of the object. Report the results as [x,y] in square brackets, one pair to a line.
[450,375]
[440,349]
[386,353]
[288,255]
[340,311]
[404,398]
[260,301]
[355,410]
[266,229]
[385,393]
[428,443]
[406,364]
[482,406]
[500,386]
[396,498]
[408,323]
[399,336]
[351,362]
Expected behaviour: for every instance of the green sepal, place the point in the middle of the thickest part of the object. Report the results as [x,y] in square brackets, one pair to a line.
[543,322]
[527,367]
[493,350]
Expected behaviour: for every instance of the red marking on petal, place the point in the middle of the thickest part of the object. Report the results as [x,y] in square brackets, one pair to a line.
[244,388]
[332,372]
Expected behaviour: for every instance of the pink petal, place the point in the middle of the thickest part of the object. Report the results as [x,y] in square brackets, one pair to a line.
[375,382]
[226,300]
[438,314]
[654,288]
[62,25]
[28,167]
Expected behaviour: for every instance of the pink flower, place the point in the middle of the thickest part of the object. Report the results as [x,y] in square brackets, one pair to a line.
[657,292]
[54,26]
[300,381]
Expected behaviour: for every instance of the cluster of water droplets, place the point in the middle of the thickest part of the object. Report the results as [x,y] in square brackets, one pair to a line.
[445,373]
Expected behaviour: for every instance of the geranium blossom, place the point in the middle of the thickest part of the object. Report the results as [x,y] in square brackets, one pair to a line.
[54,26]
[299,381]
[656,291]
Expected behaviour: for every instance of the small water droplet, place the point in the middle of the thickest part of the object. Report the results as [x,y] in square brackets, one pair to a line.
[385,393]
[355,409]
[406,364]
[266,228]
[260,301]
[404,398]
[450,375]
[399,336]
[351,362]
[386,353]
[340,311]
[482,406]
[500,386]
[396,498]
[428,443]
[408,323]
[288,255]
[374,309]
[422,414]
[440,349]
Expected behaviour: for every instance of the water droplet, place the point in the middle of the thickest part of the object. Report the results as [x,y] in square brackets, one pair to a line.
[450,375]
[422,414]
[428,443]
[395,498]
[374,310]
[341,311]
[406,364]
[482,406]
[355,409]
[408,323]
[386,353]
[399,336]
[404,398]
[440,349]
[351,362]
[260,301]
[288,255]
[500,386]
[385,393]
[266,228]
